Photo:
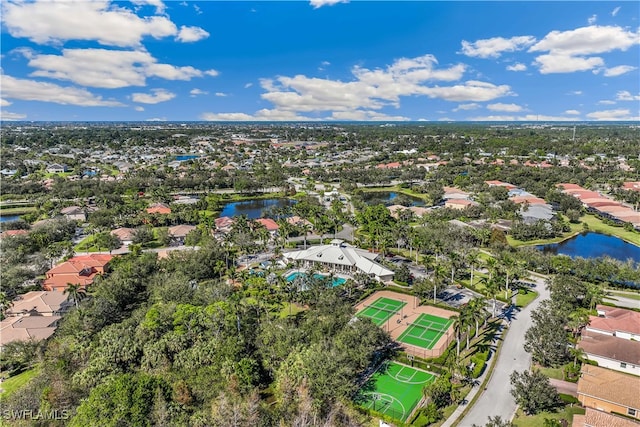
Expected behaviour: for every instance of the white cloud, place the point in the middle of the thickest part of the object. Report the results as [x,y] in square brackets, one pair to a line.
[572,112]
[31,90]
[4,102]
[191,34]
[212,73]
[261,115]
[525,118]
[507,108]
[625,95]
[607,102]
[363,116]
[517,67]
[159,5]
[568,51]
[575,92]
[592,19]
[107,68]
[614,115]
[155,97]
[556,63]
[587,41]
[618,71]
[156,119]
[466,107]
[469,91]
[58,21]
[319,3]
[221,94]
[224,117]
[9,116]
[374,88]
[615,11]
[493,48]
[248,85]
[138,108]
[196,92]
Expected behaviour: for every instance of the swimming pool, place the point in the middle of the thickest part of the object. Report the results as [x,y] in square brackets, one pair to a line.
[337,281]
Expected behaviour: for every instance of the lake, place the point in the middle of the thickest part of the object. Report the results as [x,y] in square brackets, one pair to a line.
[389,198]
[594,245]
[253,208]
[9,218]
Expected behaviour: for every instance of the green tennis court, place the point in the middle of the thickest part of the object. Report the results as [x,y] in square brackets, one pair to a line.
[381,310]
[425,331]
[394,390]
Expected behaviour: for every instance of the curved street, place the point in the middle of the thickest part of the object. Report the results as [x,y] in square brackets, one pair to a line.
[497,399]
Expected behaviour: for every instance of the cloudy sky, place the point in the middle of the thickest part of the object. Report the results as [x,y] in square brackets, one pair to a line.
[320,60]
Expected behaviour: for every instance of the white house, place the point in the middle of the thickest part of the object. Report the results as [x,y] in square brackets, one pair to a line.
[611,352]
[616,322]
[340,257]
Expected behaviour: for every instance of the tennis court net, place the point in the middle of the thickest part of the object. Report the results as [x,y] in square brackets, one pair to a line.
[386,310]
[428,328]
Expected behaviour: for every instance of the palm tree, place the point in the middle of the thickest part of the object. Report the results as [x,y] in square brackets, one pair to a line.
[458,325]
[492,289]
[577,353]
[472,259]
[76,292]
[476,307]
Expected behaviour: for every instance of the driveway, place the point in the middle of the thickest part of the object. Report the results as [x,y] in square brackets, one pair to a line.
[497,399]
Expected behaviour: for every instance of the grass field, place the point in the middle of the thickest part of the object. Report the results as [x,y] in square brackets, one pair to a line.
[381,310]
[394,390]
[12,384]
[522,300]
[567,413]
[425,331]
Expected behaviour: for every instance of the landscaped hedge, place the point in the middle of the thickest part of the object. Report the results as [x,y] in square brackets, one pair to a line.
[480,361]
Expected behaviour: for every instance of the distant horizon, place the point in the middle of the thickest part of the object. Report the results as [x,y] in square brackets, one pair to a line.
[321,60]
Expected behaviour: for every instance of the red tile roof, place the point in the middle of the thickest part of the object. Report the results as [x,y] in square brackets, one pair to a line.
[268,223]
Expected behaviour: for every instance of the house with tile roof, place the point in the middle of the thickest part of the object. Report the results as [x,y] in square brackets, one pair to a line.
[595,418]
[27,328]
[339,257]
[125,234]
[13,233]
[80,270]
[74,213]
[609,391]
[611,352]
[159,208]
[271,226]
[617,322]
[39,303]
[179,232]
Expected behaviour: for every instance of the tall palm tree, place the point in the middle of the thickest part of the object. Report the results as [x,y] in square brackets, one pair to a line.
[472,260]
[458,326]
[476,307]
[76,292]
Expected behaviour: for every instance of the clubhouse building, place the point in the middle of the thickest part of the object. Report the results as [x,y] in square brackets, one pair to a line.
[339,257]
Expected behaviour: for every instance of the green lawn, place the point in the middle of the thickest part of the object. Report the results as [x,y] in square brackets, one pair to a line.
[86,245]
[12,384]
[524,300]
[567,413]
[18,210]
[295,309]
[629,295]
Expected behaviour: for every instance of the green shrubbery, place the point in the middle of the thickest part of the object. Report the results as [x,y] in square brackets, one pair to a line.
[479,360]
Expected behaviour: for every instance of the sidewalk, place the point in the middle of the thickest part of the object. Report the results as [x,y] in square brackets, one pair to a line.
[453,418]
[565,387]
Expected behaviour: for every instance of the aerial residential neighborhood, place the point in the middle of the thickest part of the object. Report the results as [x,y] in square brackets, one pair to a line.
[319,213]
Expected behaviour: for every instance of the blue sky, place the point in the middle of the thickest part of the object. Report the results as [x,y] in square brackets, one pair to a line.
[320,60]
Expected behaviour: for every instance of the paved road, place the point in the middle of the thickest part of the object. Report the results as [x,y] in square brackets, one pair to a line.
[497,399]
[622,301]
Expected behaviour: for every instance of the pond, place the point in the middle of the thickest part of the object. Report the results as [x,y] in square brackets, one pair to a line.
[389,198]
[183,157]
[253,208]
[9,218]
[594,245]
